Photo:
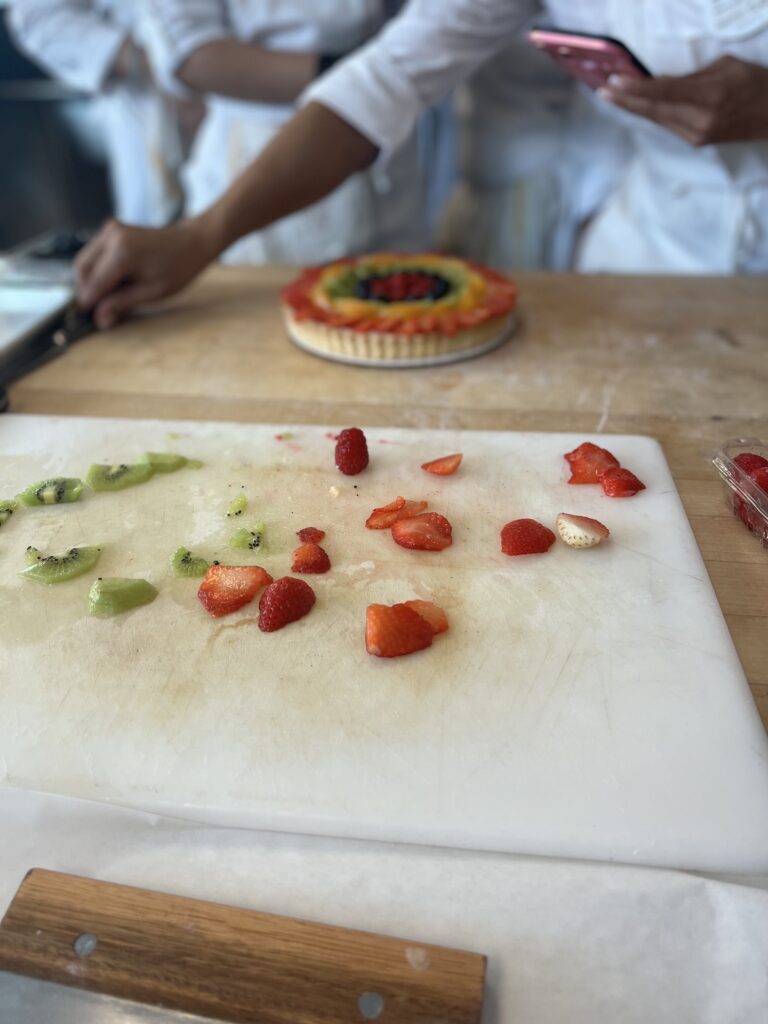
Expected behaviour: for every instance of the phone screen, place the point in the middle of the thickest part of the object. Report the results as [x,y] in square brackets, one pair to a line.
[591,59]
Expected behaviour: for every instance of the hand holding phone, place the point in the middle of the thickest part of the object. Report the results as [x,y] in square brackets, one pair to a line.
[589,58]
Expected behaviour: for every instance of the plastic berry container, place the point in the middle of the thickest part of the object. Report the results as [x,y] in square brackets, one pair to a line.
[743,495]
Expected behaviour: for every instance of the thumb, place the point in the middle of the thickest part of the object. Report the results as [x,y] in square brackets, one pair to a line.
[121,301]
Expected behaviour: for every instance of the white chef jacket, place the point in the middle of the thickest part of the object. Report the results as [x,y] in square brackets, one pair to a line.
[371,210]
[674,208]
[77,41]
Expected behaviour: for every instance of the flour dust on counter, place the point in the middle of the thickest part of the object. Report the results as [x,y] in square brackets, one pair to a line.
[571,689]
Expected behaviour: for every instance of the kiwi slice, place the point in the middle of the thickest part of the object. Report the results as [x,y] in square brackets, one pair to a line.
[252,539]
[55,491]
[58,568]
[163,462]
[7,508]
[113,595]
[184,563]
[237,506]
[118,477]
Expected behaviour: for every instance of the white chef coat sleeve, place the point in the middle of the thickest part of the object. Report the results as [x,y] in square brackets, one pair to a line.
[176,28]
[414,62]
[69,38]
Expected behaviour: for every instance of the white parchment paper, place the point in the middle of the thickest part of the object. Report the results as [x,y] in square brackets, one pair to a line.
[569,942]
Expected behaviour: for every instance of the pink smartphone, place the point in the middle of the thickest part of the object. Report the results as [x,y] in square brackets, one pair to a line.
[591,59]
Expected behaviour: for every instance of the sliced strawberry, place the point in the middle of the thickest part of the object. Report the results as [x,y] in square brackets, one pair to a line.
[383,518]
[581,531]
[286,600]
[310,533]
[760,476]
[428,531]
[749,462]
[444,466]
[393,631]
[431,613]
[310,557]
[620,483]
[351,451]
[526,537]
[588,461]
[226,588]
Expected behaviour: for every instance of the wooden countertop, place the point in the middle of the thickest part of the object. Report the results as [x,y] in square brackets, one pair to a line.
[684,360]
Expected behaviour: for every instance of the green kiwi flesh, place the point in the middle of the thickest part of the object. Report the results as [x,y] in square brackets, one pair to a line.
[163,462]
[113,595]
[251,539]
[55,491]
[58,568]
[119,476]
[7,508]
[237,506]
[184,563]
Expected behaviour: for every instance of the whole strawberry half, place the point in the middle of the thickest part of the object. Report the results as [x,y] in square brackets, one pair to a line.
[310,557]
[351,451]
[382,518]
[392,631]
[526,537]
[310,533]
[428,531]
[581,531]
[588,461]
[445,466]
[226,588]
[620,483]
[286,600]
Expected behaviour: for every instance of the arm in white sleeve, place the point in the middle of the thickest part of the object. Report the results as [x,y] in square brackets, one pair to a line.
[179,27]
[70,39]
[419,57]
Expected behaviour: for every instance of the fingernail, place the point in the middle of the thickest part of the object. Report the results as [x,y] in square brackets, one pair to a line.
[617,81]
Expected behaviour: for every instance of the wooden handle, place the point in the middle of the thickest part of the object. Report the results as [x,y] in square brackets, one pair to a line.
[231,964]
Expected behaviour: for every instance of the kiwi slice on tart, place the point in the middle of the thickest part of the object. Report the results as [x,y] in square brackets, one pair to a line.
[58,568]
[7,508]
[163,462]
[237,506]
[184,564]
[112,595]
[56,490]
[250,539]
[119,476]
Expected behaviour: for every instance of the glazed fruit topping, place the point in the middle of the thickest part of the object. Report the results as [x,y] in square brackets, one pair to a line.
[526,537]
[403,286]
[351,451]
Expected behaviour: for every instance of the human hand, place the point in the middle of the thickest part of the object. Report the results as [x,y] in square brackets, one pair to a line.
[726,101]
[124,267]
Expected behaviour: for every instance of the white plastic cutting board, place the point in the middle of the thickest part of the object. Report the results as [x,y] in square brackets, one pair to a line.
[584,703]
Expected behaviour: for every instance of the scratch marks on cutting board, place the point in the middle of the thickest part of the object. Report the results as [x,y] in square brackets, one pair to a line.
[609,392]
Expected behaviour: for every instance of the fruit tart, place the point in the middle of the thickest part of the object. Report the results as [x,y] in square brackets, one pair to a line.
[399,310]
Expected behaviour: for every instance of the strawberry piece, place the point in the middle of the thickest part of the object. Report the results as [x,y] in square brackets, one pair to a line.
[760,476]
[581,531]
[431,613]
[351,451]
[391,632]
[445,466]
[588,461]
[309,534]
[620,483]
[428,531]
[526,537]
[286,600]
[749,462]
[310,557]
[382,518]
[226,588]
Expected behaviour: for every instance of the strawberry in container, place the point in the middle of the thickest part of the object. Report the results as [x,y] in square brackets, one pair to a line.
[743,466]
